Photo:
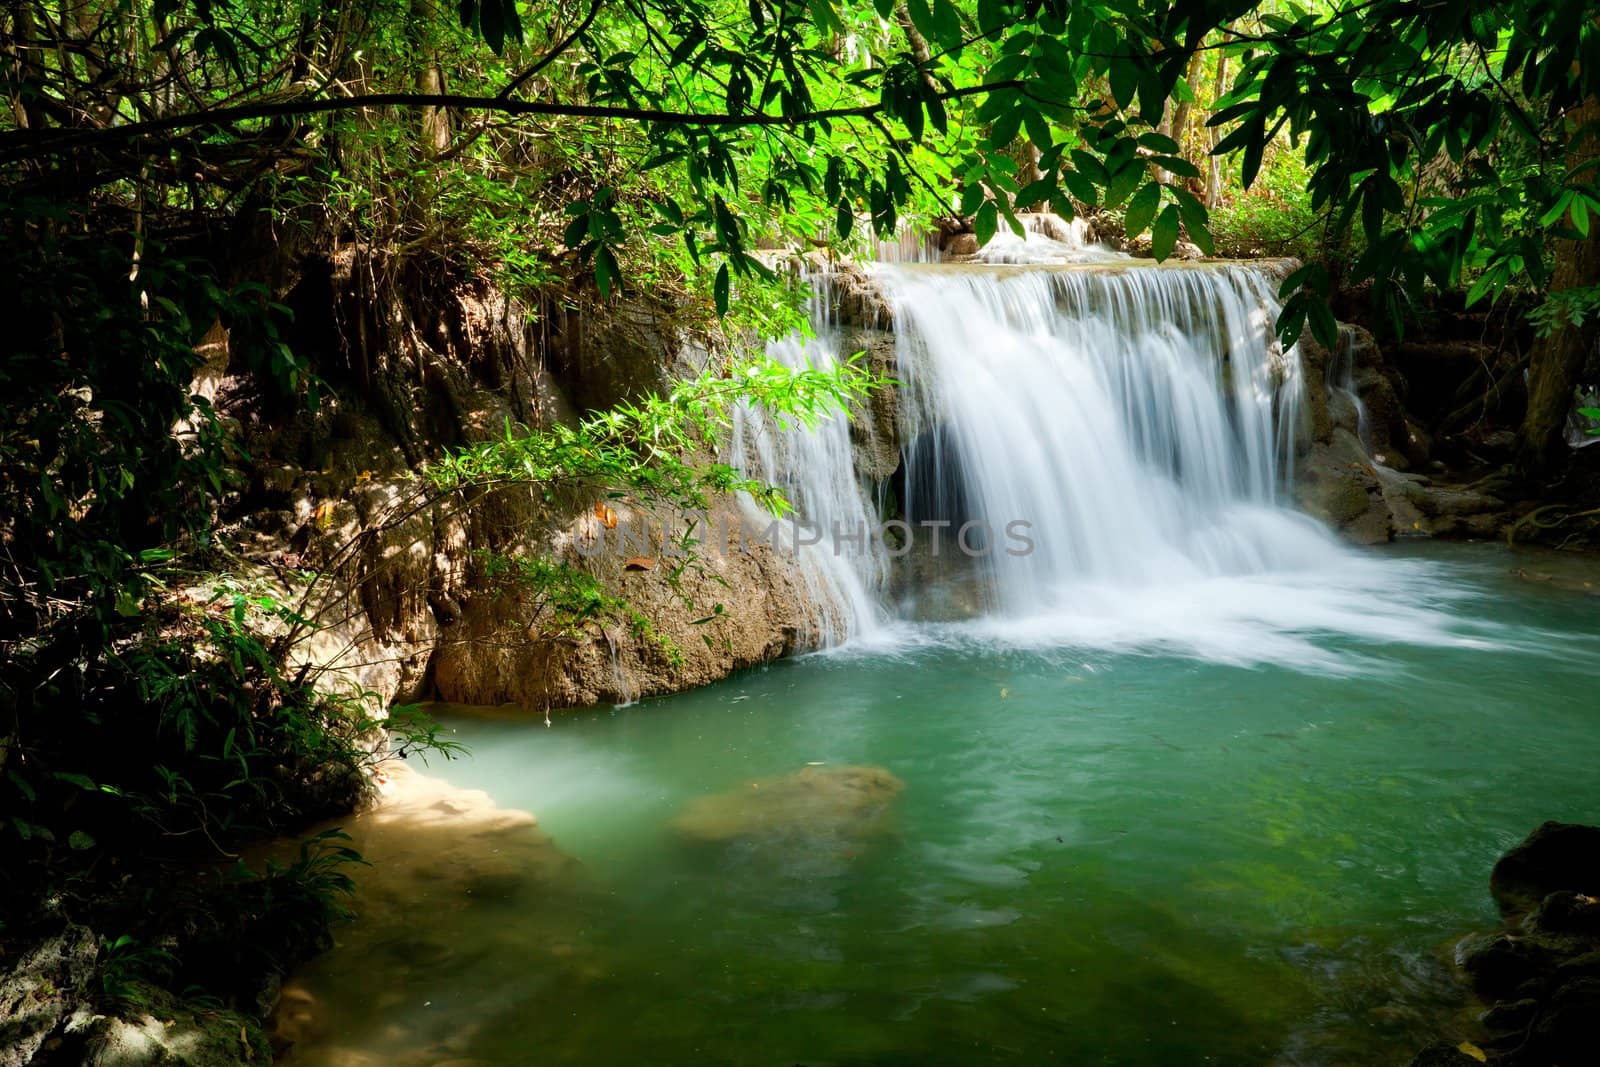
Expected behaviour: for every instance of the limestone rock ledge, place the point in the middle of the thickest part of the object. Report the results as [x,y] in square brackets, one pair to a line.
[405,608]
[1363,465]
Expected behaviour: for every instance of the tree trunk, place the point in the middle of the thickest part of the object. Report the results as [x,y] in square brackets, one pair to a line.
[1180,120]
[1557,360]
[1219,89]
[23,68]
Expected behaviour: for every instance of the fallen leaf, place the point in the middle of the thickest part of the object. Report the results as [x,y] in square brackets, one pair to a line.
[607,517]
[1474,1051]
[639,563]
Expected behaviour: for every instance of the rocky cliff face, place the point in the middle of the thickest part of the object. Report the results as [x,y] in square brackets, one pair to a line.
[1364,465]
[406,608]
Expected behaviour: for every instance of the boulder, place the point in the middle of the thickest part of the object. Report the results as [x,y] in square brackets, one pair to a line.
[1567,1030]
[1444,1056]
[1584,966]
[47,983]
[960,244]
[1510,1017]
[1500,964]
[161,1029]
[848,802]
[1565,913]
[1338,484]
[1555,856]
[875,428]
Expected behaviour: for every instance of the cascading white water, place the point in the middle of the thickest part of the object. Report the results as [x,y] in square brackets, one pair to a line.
[1129,418]
[1121,434]
[1341,381]
[815,470]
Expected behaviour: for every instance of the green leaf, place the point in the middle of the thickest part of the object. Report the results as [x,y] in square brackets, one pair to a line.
[1142,209]
[1005,127]
[719,289]
[1124,82]
[844,219]
[1196,219]
[1090,168]
[605,271]
[1124,182]
[1159,143]
[22,786]
[985,222]
[1164,235]
[1324,327]
[1559,208]
[1080,187]
[79,841]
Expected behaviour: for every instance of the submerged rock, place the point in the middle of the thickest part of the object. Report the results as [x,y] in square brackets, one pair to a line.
[849,802]
[449,867]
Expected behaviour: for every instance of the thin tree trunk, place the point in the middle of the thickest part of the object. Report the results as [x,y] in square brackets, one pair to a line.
[1557,360]
[1180,120]
[1219,89]
[24,72]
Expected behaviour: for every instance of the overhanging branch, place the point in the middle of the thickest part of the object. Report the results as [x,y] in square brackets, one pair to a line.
[18,145]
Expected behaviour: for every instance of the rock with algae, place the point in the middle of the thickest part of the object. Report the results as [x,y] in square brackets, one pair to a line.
[850,802]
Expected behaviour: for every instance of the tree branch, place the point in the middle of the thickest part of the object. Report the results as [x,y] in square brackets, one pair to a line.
[552,55]
[21,144]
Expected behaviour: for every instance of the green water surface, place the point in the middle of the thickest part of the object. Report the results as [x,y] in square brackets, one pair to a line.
[1121,858]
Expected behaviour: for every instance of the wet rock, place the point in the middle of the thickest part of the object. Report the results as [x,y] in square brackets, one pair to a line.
[1416,444]
[160,1029]
[1499,445]
[855,297]
[1585,966]
[493,656]
[1541,971]
[1565,912]
[1567,1030]
[1555,856]
[1444,1056]
[1499,964]
[960,244]
[875,430]
[846,802]
[1336,482]
[457,860]
[1510,1016]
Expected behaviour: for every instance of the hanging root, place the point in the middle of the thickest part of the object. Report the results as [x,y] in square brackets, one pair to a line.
[1553,517]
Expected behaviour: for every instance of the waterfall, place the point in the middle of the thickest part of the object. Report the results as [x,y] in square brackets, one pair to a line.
[1340,378]
[814,468]
[1129,419]
[1095,452]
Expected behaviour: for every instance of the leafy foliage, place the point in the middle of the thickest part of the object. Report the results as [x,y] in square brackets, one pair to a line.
[1446,133]
[658,446]
[160,165]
